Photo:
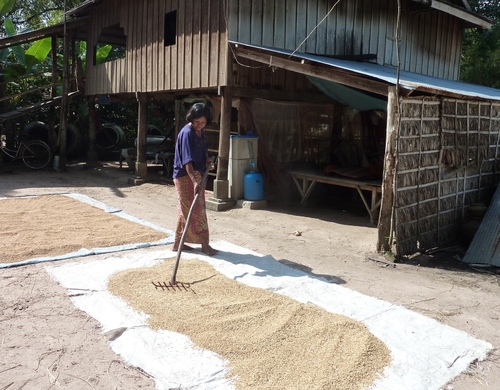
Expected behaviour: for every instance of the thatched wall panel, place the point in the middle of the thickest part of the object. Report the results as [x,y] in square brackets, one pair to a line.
[407,231]
[408,179]
[406,197]
[428,239]
[406,162]
[472,109]
[429,159]
[489,180]
[447,218]
[473,140]
[461,124]
[448,122]
[445,163]
[411,110]
[419,144]
[472,158]
[447,139]
[409,128]
[430,127]
[448,106]
[472,183]
[416,178]
[461,108]
[461,139]
[431,109]
[485,110]
[494,140]
[428,192]
[488,166]
[484,139]
[448,187]
[430,175]
[484,124]
[473,124]
[448,235]
[407,145]
[448,203]
[471,197]
[407,214]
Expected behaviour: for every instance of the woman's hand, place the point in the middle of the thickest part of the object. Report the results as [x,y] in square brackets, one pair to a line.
[211,167]
[196,179]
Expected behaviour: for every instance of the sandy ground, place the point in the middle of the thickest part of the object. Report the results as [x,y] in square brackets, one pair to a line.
[46,343]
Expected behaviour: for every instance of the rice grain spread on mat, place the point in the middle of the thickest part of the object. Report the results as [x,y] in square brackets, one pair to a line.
[271,341]
[55,225]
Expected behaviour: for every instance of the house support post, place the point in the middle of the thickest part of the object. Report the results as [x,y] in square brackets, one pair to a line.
[92,152]
[53,93]
[221,201]
[386,222]
[63,121]
[141,166]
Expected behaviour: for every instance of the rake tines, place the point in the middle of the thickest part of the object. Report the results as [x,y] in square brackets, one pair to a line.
[172,287]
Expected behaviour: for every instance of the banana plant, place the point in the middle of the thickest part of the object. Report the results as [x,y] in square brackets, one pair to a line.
[5,7]
[26,60]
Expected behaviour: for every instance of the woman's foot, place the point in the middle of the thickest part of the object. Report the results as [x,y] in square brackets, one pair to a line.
[184,248]
[208,250]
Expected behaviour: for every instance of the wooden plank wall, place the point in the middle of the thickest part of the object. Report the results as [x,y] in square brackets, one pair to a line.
[197,60]
[432,44]
[431,40]
[447,159]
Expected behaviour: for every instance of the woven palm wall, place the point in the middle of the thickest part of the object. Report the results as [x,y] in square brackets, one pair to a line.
[447,159]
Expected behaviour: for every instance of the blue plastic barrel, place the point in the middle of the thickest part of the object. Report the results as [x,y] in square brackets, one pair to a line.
[253,186]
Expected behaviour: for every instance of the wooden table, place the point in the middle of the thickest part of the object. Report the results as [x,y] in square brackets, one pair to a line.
[306,180]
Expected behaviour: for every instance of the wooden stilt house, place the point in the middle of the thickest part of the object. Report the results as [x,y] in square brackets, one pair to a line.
[345,78]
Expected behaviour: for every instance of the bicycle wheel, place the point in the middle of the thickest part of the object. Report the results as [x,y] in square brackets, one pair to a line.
[36,154]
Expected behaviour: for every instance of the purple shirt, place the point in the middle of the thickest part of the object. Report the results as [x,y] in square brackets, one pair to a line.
[190,148]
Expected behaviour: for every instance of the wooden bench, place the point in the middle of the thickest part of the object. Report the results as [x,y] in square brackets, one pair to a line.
[306,180]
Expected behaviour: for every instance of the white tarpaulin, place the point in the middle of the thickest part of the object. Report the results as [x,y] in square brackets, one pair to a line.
[425,353]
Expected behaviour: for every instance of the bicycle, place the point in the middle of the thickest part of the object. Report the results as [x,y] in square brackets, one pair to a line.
[35,154]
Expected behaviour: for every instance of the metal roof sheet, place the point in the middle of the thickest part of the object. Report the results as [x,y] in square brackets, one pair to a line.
[408,80]
[30,36]
[485,246]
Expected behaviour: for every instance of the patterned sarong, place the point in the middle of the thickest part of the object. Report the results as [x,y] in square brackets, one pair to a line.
[198,226]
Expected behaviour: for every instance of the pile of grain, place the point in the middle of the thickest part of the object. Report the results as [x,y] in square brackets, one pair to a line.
[270,340]
[55,225]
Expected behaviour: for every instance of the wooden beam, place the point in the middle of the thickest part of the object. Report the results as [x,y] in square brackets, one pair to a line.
[461,14]
[385,222]
[330,73]
[281,95]
[142,130]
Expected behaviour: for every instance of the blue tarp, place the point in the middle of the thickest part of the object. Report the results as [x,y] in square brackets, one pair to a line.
[348,96]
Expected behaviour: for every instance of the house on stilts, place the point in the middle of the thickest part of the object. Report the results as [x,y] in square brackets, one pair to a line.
[363,94]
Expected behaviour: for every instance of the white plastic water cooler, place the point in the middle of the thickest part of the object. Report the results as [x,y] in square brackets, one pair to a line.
[243,154]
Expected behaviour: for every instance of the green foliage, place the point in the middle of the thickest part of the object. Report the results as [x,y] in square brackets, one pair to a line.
[102,53]
[11,31]
[37,53]
[6,6]
[481,49]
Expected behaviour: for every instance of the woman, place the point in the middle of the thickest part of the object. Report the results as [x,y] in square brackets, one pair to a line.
[190,162]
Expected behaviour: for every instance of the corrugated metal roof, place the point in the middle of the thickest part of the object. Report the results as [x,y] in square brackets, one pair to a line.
[408,80]
[82,8]
[30,36]
[485,246]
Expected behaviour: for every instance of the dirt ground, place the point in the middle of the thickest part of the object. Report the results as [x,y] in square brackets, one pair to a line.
[46,343]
